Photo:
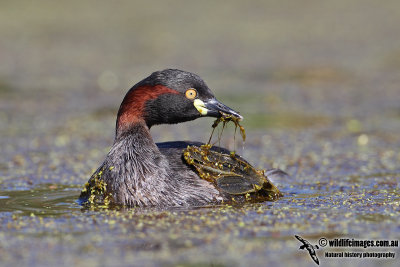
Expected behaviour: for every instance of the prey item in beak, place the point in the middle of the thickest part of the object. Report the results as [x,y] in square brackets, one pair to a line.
[214,108]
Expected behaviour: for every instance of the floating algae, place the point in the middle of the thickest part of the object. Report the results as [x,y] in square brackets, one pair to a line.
[229,172]
[96,191]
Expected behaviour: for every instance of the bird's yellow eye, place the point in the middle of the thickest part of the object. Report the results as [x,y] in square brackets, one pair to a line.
[191,93]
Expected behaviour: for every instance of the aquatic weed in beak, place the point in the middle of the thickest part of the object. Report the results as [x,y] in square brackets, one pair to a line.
[230,173]
[225,118]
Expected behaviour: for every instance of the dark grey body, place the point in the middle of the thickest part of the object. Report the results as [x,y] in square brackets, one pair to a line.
[140,173]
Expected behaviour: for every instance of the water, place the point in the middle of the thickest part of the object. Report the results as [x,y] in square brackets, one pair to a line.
[317,84]
[48,215]
[45,200]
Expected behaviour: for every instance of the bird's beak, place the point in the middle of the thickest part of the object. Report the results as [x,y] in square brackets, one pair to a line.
[214,108]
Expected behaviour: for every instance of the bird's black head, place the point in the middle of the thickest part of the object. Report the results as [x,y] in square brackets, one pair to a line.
[169,96]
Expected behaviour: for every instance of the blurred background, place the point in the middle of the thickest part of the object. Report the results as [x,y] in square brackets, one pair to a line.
[308,57]
[317,83]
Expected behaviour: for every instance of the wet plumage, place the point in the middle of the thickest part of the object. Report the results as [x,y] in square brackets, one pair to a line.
[138,172]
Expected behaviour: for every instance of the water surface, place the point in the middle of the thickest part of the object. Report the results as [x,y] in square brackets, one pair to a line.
[318,86]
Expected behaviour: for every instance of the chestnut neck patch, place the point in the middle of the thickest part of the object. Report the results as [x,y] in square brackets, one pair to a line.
[132,107]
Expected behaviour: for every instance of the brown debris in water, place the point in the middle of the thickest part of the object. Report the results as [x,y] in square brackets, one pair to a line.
[230,173]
